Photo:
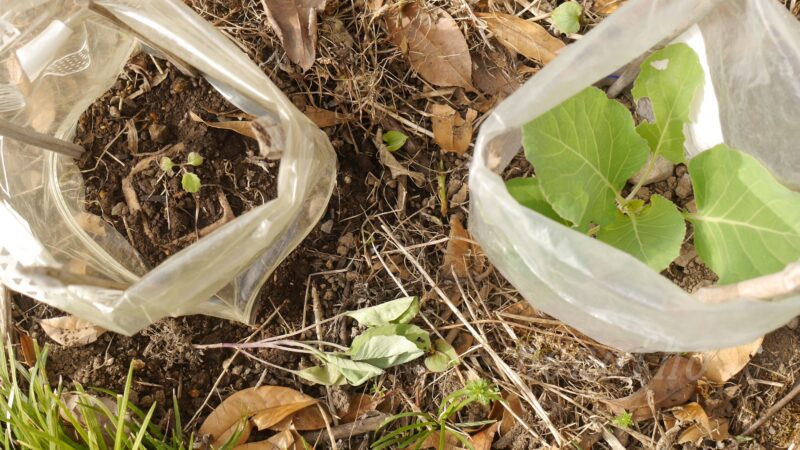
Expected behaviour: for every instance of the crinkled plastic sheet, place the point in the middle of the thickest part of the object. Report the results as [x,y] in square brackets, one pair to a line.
[71,52]
[751,50]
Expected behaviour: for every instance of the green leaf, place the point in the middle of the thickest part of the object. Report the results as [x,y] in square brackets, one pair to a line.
[670,78]
[584,150]
[194,159]
[653,235]
[355,372]
[412,333]
[401,310]
[527,192]
[747,224]
[191,182]
[387,351]
[166,164]
[567,17]
[443,358]
[394,140]
[327,375]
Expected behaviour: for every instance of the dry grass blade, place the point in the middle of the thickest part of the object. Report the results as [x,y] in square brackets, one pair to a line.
[295,23]
[435,47]
[526,38]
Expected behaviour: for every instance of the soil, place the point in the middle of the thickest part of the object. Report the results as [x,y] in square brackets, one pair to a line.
[568,373]
[122,130]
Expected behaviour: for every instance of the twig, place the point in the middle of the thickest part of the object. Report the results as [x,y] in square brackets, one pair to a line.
[361,426]
[773,409]
[40,140]
[767,287]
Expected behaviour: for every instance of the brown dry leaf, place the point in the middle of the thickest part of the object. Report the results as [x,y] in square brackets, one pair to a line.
[27,348]
[524,37]
[228,415]
[458,247]
[452,132]
[694,413]
[722,365]
[71,331]
[696,433]
[435,47]
[397,169]
[295,23]
[508,421]
[673,385]
[463,342]
[325,118]
[360,404]
[310,418]
[483,439]
[281,441]
[606,7]
[521,308]
[242,127]
[491,74]
[270,416]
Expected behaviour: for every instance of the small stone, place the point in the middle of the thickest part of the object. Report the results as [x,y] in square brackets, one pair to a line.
[327,227]
[662,170]
[688,254]
[684,187]
[680,169]
[672,182]
[120,209]
[644,193]
[113,111]
[237,370]
[157,132]
[691,206]
[138,364]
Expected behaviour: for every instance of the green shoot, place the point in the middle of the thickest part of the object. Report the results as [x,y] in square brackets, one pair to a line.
[190,182]
[394,140]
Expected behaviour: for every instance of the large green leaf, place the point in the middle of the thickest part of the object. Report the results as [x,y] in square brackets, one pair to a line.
[326,375]
[355,372]
[387,351]
[654,235]
[670,77]
[527,192]
[401,310]
[747,224]
[584,150]
[413,333]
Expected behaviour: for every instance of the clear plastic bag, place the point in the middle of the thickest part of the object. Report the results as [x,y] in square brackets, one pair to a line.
[56,58]
[751,53]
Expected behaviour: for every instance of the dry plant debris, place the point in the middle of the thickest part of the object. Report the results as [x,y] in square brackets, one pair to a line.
[71,331]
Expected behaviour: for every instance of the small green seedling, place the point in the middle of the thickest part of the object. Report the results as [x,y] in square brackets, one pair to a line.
[585,150]
[567,17]
[190,182]
[394,140]
[440,426]
[623,420]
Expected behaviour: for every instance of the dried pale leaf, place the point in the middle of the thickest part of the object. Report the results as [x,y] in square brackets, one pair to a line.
[693,412]
[360,404]
[325,118]
[452,132]
[435,46]
[242,127]
[397,169]
[483,439]
[281,441]
[673,385]
[491,74]
[71,331]
[310,418]
[27,348]
[245,403]
[524,37]
[132,136]
[458,247]
[295,23]
[606,7]
[270,416]
[696,433]
[722,365]
[508,421]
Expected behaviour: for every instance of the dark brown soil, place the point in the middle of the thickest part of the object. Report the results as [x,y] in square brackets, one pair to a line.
[119,134]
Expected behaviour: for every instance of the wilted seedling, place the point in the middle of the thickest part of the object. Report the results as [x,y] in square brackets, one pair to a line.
[190,182]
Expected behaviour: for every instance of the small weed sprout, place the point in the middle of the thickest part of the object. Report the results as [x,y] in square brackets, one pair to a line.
[623,420]
[439,426]
[190,182]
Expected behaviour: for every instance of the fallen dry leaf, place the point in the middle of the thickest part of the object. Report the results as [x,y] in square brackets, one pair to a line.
[226,417]
[508,421]
[435,47]
[458,247]
[325,118]
[483,439]
[521,308]
[360,404]
[242,127]
[462,342]
[673,385]
[71,331]
[524,37]
[27,348]
[491,74]
[695,433]
[281,441]
[452,132]
[394,166]
[693,413]
[269,417]
[606,7]
[310,418]
[722,365]
[295,23]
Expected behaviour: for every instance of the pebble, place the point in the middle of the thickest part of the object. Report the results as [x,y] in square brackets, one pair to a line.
[113,111]
[661,171]
[684,187]
[327,227]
